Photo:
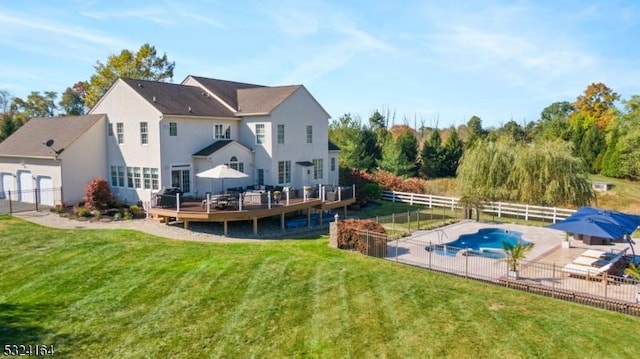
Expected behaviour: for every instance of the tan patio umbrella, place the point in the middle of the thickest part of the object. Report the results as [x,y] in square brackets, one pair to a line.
[221,172]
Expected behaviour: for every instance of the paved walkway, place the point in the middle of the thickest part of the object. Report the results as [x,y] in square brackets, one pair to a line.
[155,228]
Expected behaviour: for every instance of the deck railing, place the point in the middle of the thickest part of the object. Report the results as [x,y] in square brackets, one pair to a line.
[237,202]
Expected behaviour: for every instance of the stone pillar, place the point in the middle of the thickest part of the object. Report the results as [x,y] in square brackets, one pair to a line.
[333,234]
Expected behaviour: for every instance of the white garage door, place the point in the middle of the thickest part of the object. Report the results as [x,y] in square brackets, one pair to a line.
[45,190]
[6,184]
[25,184]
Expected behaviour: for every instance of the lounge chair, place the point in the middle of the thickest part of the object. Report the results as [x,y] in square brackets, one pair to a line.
[589,267]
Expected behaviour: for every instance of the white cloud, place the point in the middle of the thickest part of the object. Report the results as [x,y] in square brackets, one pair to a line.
[153,14]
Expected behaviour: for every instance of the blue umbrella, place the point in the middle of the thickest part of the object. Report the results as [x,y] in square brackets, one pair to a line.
[590,227]
[628,222]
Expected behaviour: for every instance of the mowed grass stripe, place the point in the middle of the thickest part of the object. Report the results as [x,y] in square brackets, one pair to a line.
[240,316]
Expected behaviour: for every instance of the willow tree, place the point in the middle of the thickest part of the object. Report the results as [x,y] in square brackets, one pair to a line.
[548,174]
[484,169]
[544,173]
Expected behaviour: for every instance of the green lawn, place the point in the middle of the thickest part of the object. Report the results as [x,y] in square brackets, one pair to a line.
[119,293]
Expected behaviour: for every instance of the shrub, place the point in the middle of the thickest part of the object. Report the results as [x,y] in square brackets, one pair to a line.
[83,212]
[348,237]
[372,191]
[136,211]
[126,215]
[97,194]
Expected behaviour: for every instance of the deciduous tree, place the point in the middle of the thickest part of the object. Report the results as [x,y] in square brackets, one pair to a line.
[72,102]
[145,64]
[538,173]
[36,105]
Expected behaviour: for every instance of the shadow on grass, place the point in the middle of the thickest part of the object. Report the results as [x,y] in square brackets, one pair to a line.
[19,325]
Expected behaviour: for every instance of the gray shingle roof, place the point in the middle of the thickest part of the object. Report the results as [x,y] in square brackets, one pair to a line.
[263,99]
[175,99]
[226,90]
[212,148]
[28,140]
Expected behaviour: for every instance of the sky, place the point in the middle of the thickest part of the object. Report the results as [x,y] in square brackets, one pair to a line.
[433,63]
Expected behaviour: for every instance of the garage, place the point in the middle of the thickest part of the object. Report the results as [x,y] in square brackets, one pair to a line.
[6,185]
[25,186]
[45,190]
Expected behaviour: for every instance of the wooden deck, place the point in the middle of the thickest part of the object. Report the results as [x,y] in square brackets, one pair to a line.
[197,211]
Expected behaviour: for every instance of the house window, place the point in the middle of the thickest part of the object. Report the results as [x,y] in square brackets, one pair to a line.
[173,128]
[144,133]
[220,132]
[317,168]
[120,132]
[136,177]
[309,134]
[130,177]
[110,129]
[281,134]
[260,176]
[154,179]
[284,172]
[150,178]
[233,163]
[114,176]
[146,178]
[333,164]
[120,176]
[259,133]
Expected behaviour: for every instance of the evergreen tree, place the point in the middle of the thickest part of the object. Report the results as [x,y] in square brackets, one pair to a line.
[407,143]
[431,157]
[8,126]
[395,161]
[452,152]
[592,145]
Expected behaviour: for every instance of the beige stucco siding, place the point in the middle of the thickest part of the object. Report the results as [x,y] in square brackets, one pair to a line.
[296,113]
[84,160]
[123,105]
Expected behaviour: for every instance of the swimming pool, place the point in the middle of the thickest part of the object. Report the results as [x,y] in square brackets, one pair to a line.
[487,242]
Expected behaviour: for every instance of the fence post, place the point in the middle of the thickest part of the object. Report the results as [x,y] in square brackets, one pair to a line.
[418,218]
[178,202]
[526,212]
[10,209]
[36,192]
[466,266]
[430,250]
[411,199]
[396,249]
[409,221]
[393,222]
[393,199]
[553,281]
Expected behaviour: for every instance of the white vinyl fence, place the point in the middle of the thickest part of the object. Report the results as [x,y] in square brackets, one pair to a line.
[498,209]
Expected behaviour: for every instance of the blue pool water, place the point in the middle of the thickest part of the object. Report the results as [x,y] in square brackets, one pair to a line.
[487,242]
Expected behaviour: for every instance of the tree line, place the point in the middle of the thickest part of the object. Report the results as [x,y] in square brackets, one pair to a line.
[606,138]
[144,64]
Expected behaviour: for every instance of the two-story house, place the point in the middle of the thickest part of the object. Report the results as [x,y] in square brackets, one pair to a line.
[162,134]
